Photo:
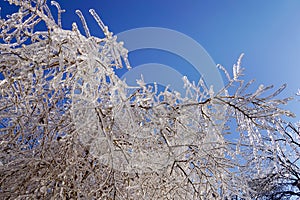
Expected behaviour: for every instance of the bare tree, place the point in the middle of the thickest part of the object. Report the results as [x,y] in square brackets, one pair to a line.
[71,129]
[284,182]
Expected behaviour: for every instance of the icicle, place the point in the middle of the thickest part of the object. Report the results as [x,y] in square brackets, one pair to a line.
[100,23]
[49,14]
[59,11]
[75,28]
[86,29]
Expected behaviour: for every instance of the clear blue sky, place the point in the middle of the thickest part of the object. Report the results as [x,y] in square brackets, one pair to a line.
[267,31]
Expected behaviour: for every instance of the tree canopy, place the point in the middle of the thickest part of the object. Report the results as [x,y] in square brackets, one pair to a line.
[70,128]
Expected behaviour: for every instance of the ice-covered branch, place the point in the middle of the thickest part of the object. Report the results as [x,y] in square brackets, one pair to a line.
[70,128]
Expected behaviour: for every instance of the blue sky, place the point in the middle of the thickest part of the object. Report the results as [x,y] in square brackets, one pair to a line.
[268,32]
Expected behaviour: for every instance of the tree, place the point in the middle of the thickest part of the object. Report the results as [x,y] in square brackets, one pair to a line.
[71,129]
[283,183]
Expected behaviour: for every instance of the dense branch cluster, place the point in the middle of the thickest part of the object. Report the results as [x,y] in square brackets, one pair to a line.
[71,129]
[285,182]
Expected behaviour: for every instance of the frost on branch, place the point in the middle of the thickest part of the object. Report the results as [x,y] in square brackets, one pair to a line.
[70,128]
[284,183]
